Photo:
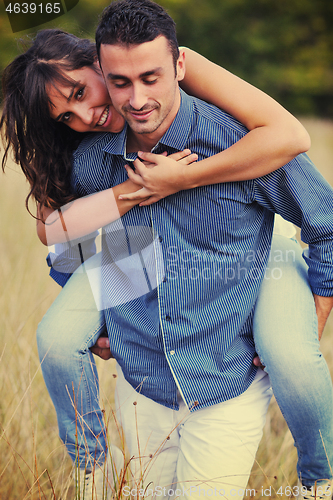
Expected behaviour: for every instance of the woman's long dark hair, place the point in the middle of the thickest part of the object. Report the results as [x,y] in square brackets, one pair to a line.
[42,146]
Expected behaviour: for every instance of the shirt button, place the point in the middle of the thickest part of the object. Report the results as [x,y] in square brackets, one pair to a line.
[167,317]
[172,353]
[160,239]
[164,279]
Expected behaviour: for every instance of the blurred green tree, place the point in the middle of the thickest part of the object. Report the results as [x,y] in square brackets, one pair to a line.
[285,47]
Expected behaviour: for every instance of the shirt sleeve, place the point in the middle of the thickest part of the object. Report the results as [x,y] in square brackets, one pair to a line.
[66,258]
[300,194]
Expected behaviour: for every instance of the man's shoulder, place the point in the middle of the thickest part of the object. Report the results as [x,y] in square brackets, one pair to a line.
[208,126]
[91,142]
[207,116]
[210,113]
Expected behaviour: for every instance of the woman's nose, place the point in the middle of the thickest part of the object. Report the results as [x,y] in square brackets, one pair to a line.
[86,114]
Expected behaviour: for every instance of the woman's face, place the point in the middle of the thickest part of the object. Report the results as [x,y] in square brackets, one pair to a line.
[86,107]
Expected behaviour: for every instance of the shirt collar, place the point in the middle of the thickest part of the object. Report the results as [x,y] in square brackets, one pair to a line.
[175,137]
[177,134]
[117,145]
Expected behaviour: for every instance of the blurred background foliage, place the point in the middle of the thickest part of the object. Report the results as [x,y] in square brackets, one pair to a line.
[284,47]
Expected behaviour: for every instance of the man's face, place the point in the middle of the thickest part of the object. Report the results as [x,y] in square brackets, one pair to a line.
[143,85]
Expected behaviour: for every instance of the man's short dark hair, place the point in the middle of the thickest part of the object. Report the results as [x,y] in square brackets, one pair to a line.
[132,22]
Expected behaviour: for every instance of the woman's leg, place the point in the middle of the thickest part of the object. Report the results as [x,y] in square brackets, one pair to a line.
[286,338]
[67,331]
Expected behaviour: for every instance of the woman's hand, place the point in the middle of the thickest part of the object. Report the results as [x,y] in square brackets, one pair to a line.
[159,175]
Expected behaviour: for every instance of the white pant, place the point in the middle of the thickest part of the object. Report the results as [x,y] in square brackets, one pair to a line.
[208,452]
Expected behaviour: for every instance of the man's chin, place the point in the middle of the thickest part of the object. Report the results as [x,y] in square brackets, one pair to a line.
[142,127]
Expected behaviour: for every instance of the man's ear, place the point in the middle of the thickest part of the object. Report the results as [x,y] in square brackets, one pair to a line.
[180,68]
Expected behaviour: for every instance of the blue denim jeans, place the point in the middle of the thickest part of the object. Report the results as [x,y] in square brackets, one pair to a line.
[286,337]
[69,328]
[285,331]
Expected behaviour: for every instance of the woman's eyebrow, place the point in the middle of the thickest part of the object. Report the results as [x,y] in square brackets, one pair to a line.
[59,117]
[74,86]
[77,84]
[71,94]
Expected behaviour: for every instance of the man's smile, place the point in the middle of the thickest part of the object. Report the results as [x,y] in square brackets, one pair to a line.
[141,115]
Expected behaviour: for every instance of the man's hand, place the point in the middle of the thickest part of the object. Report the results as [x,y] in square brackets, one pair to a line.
[256,361]
[102,348]
[323,308]
[167,177]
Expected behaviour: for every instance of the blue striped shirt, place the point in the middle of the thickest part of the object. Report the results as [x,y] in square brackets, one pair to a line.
[181,277]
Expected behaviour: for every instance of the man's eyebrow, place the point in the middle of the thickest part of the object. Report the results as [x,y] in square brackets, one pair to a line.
[113,76]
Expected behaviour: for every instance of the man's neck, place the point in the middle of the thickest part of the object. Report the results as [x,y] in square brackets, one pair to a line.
[140,142]
[147,142]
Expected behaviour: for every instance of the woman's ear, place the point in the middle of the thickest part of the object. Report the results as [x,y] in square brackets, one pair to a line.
[97,65]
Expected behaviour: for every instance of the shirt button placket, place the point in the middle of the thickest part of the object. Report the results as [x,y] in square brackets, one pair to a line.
[168,318]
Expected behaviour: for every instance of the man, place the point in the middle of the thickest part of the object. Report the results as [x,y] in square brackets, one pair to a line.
[188,343]
[186,346]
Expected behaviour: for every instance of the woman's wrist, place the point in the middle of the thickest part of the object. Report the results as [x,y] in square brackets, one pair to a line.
[186,177]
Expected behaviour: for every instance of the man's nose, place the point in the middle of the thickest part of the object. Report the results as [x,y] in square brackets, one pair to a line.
[138,97]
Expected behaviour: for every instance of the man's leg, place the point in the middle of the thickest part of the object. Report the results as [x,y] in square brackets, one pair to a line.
[218,444]
[69,328]
[286,337]
[179,453]
[151,434]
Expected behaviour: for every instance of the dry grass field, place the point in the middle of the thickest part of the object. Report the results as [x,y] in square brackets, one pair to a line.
[33,461]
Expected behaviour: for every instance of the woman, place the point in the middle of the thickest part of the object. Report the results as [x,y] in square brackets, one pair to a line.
[58,83]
